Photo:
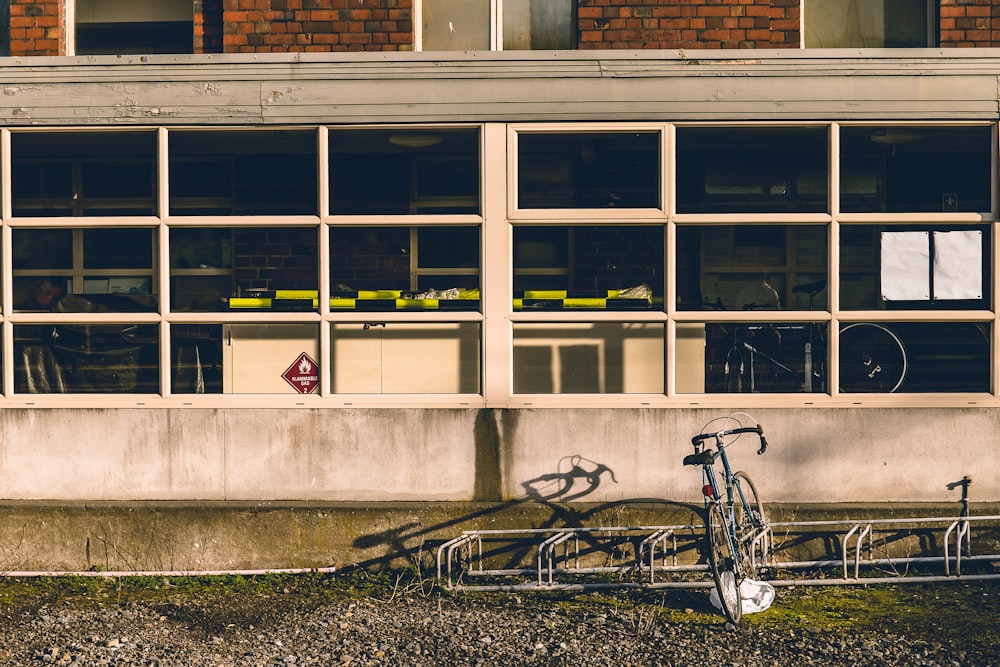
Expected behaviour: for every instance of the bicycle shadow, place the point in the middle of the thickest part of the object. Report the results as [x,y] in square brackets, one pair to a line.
[551,500]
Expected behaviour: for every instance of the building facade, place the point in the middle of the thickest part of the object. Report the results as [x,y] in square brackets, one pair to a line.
[405,250]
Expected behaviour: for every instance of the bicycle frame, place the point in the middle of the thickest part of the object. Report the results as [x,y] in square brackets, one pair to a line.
[726,498]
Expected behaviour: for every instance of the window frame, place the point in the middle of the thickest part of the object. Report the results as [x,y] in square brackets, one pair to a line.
[496,35]
[496,317]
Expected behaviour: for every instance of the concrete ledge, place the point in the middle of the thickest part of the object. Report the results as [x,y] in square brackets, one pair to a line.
[188,536]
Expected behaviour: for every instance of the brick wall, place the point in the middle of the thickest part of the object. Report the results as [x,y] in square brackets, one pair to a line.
[208,26]
[688,24]
[275,259]
[37,28]
[969,23]
[262,26]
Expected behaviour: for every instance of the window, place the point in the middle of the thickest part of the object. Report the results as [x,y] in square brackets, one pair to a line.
[588,170]
[172,262]
[472,25]
[869,23]
[914,168]
[744,170]
[134,26]
[402,172]
[83,174]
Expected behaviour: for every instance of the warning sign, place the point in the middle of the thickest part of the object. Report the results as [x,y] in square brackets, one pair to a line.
[302,374]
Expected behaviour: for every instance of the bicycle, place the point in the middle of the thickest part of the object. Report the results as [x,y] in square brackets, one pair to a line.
[735,523]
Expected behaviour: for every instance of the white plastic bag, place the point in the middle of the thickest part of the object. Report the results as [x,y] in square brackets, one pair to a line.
[755,596]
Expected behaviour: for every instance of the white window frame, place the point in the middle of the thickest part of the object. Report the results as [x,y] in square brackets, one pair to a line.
[497,318]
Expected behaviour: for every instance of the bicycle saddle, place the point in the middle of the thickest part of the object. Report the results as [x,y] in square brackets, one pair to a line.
[700,459]
[813,288]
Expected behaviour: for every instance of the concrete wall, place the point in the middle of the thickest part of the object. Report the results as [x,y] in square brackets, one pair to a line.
[378,455]
[207,489]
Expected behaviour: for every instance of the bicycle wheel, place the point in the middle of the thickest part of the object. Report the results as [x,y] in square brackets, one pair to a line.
[872,359]
[748,513]
[725,568]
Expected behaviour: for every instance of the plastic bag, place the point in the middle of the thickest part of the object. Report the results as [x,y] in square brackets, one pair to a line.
[755,596]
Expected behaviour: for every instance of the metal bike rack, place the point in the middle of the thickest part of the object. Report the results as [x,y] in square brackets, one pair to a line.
[661,556]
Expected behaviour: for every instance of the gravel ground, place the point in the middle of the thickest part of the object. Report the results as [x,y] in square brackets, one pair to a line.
[278,628]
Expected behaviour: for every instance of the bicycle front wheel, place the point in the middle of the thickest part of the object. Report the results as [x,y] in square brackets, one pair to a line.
[748,513]
[725,567]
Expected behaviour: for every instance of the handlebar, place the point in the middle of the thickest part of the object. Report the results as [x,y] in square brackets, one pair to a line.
[719,435]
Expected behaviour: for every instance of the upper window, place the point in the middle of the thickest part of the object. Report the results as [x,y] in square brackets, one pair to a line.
[868,23]
[402,172]
[480,25]
[912,168]
[752,169]
[588,170]
[134,26]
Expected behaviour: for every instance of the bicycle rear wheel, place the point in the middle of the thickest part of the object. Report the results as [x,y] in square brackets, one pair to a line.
[872,359]
[725,568]
[748,513]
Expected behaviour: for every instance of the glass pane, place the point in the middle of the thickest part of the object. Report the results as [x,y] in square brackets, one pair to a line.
[866,23]
[404,268]
[42,248]
[745,357]
[915,267]
[744,170]
[90,174]
[752,267]
[588,170]
[86,358]
[434,170]
[117,248]
[201,268]
[604,267]
[538,24]
[274,269]
[456,25]
[84,270]
[243,172]
[114,27]
[915,169]
[404,358]
[914,357]
[269,359]
[196,361]
[590,358]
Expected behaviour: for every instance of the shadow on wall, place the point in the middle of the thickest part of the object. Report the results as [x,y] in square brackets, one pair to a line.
[543,505]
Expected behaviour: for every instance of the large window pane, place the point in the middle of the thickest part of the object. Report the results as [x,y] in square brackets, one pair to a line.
[268,359]
[597,358]
[612,267]
[915,267]
[752,267]
[86,358]
[243,172]
[84,270]
[901,169]
[273,268]
[743,170]
[867,23]
[538,24]
[404,268]
[434,170]
[914,357]
[83,174]
[751,357]
[406,358]
[588,170]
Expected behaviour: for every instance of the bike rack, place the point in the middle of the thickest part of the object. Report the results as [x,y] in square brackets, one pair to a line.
[662,556]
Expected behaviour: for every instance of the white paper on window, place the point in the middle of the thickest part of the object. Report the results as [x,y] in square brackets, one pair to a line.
[958,265]
[906,272]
